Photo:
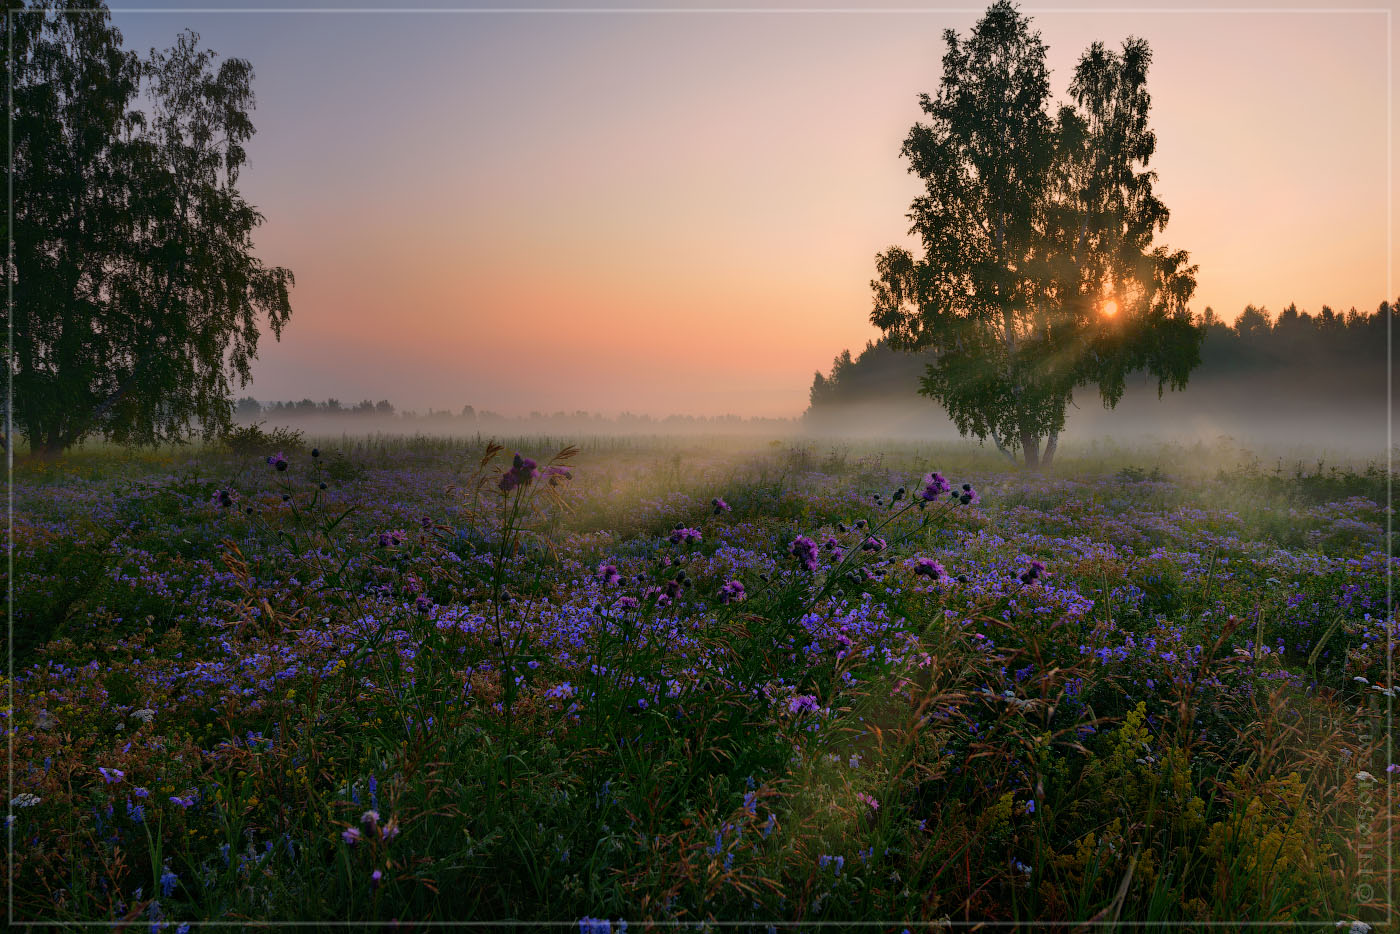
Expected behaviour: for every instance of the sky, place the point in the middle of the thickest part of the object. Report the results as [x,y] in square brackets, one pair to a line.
[679,212]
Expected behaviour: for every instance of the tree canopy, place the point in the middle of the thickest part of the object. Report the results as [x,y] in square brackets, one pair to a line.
[137,297]
[1038,272]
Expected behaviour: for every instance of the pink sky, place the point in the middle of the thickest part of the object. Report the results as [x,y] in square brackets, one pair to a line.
[678,213]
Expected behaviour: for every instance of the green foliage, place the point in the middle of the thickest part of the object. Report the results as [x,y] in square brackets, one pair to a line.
[1029,225]
[137,297]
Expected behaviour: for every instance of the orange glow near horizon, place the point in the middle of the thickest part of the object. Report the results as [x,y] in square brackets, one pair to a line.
[680,214]
[1110,308]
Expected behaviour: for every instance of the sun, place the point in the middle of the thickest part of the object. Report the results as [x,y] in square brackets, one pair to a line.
[1110,308]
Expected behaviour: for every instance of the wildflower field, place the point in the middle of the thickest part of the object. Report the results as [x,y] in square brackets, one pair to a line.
[660,681]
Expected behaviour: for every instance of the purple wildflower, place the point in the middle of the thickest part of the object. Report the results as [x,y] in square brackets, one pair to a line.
[608,573]
[522,472]
[805,551]
[802,703]
[1034,573]
[935,485]
[350,835]
[731,592]
[111,776]
[684,536]
[720,505]
[927,567]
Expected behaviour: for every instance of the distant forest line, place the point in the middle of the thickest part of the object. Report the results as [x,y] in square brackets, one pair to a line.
[1323,372]
[333,415]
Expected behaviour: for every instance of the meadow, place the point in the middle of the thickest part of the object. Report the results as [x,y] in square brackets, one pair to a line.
[646,681]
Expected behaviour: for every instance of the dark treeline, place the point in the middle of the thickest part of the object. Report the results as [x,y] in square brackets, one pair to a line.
[1331,356]
[1292,378]
[332,414]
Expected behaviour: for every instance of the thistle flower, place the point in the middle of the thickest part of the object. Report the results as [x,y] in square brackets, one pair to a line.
[1033,573]
[350,835]
[277,461]
[720,505]
[731,592]
[684,536]
[934,486]
[873,544]
[805,551]
[608,573]
[927,567]
[522,472]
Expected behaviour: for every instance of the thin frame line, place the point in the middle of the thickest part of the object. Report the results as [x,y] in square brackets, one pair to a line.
[1390,637]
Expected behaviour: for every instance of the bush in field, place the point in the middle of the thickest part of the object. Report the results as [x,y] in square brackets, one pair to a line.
[253,440]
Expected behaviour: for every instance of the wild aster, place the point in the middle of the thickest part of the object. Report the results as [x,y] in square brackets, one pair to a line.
[731,592]
[350,835]
[927,567]
[522,472]
[608,573]
[934,486]
[370,817]
[805,551]
[803,703]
